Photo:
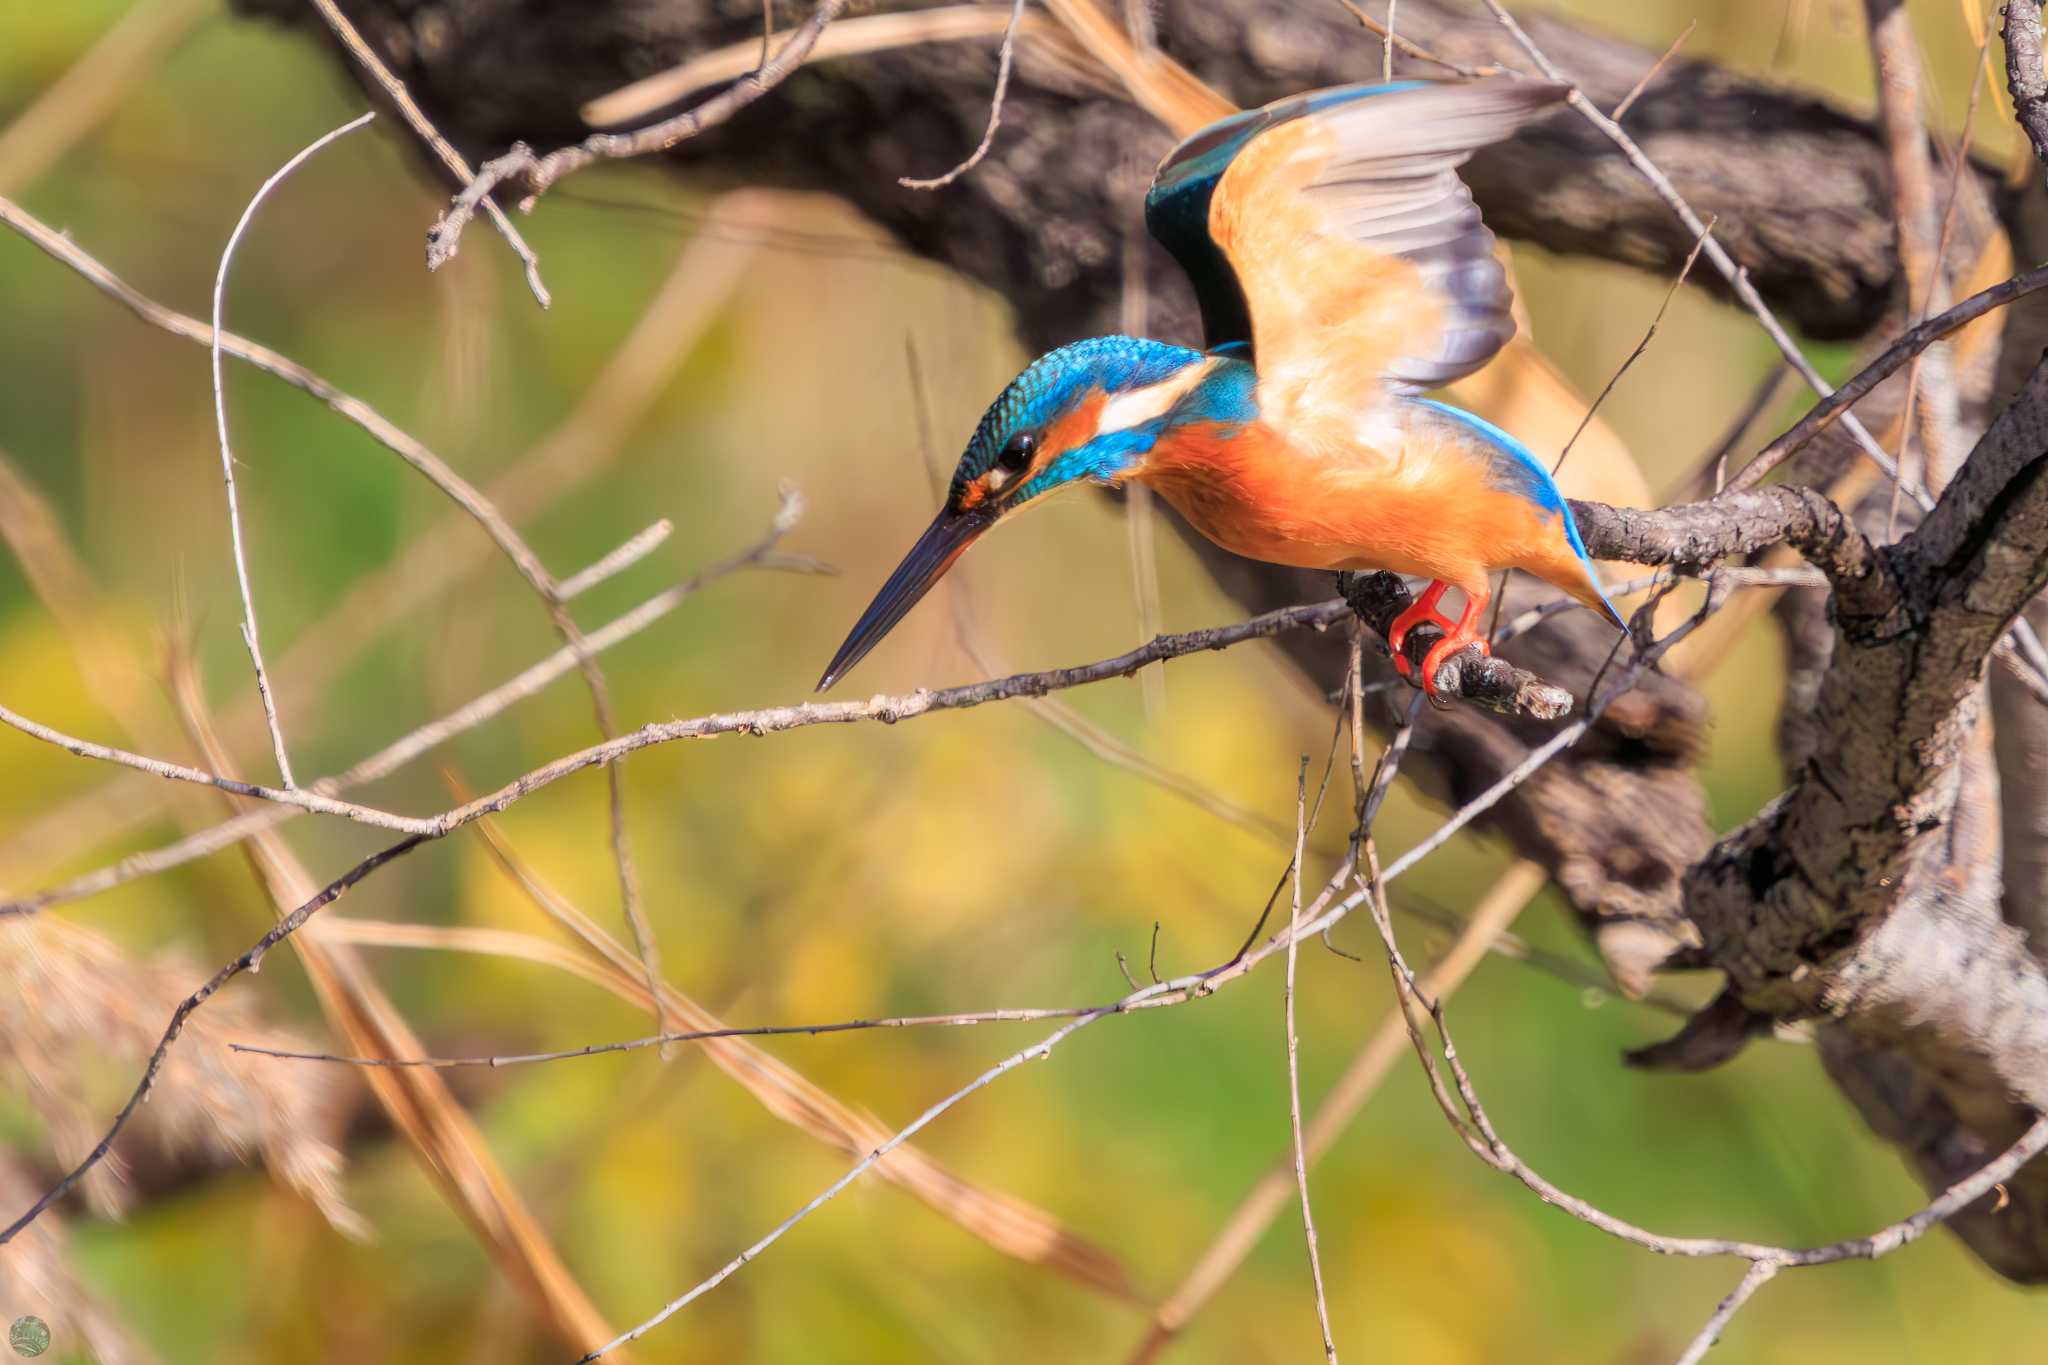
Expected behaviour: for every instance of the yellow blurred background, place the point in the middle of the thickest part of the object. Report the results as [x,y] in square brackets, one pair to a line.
[962,862]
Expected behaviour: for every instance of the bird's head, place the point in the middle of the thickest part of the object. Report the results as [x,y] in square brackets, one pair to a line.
[1086,413]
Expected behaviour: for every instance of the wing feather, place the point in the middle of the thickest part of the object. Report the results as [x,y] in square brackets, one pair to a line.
[1332,232]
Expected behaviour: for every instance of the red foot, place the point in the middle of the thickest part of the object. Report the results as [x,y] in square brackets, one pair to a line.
[1458,634]
[1423,609]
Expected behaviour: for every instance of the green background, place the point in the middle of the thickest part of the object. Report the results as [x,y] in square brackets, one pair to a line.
[962,862]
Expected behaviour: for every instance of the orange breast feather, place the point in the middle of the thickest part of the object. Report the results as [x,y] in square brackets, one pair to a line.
[1425,508]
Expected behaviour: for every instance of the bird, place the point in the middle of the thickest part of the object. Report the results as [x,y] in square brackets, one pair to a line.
[1342,272]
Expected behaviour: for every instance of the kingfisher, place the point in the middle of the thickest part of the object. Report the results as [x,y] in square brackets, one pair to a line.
[1342,272]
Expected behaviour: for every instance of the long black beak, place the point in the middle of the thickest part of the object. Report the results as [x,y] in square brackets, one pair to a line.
[944,541]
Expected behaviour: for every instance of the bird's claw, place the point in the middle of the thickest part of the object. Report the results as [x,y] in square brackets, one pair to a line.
[1439,654]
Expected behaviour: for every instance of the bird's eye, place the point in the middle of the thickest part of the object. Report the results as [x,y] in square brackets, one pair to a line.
[1016,456]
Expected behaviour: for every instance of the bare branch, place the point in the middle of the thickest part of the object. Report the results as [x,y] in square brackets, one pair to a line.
[1636,91]
[296,798]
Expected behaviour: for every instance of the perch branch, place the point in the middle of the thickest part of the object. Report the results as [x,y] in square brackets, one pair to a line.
[1481,678]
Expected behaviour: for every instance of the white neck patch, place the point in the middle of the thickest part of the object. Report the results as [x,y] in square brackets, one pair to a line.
[1139,406]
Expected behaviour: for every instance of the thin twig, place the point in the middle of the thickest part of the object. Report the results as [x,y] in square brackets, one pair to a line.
[1641,346]
[1413,49]
[494,1061]
[1753,1279]
[394,90]
[1005,58]
[1308,1218]
[615,563]
[293,798]
[227,458]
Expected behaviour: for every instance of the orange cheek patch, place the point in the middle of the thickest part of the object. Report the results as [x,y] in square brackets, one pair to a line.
[972,496]
[1076,429]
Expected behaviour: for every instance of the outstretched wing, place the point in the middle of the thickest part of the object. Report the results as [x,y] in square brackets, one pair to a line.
[1331,231]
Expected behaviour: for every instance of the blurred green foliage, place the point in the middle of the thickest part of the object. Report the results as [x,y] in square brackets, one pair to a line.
[966,861]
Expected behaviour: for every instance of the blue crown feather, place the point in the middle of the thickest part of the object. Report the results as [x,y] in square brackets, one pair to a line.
[1055,383]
